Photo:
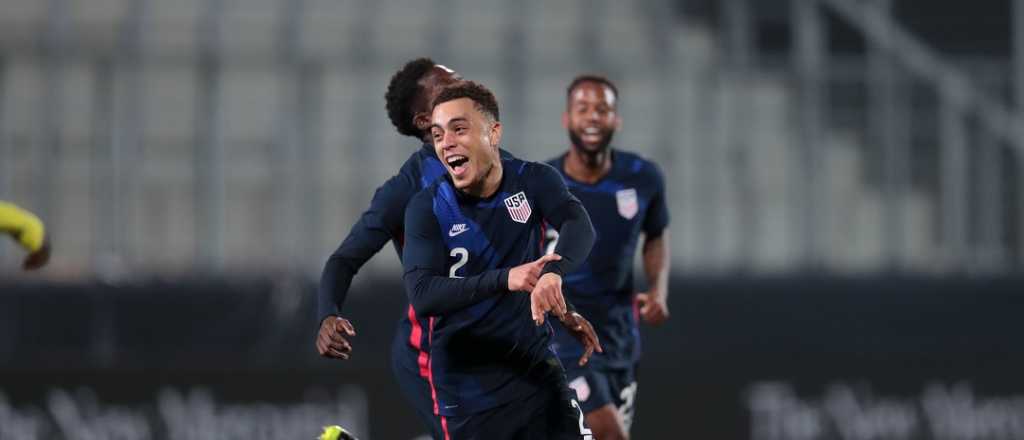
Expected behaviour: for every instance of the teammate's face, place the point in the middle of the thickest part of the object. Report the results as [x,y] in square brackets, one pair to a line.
[431,85]
[591,118]
[466,141]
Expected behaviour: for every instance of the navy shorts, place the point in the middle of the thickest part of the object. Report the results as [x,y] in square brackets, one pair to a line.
[597,386]
[552,413]
[415,388]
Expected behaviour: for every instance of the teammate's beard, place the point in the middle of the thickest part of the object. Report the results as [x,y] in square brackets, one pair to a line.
[591,154]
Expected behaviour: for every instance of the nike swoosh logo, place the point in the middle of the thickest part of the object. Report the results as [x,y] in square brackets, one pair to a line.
[456,231]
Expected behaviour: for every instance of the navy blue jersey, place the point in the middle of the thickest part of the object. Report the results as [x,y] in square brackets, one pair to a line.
[624,203]
[485,348]
[380,223]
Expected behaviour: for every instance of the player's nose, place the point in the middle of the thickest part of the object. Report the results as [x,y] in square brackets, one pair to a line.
[447,141]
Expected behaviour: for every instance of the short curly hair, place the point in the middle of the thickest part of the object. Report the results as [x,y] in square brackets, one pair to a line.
[483,98]
[402,92]
[597,79]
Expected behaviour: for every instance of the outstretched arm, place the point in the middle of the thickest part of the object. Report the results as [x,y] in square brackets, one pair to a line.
[380,223]
[375,227]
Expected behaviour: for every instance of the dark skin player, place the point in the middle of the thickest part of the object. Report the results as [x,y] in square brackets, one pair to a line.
[591,120]
[333,338]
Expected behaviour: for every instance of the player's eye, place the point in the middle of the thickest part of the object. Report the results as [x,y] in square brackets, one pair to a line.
[437,135]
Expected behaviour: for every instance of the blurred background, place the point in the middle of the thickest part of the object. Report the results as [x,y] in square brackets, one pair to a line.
[844,179]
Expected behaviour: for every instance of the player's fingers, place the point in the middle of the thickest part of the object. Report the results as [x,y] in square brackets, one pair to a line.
[340,346]
[592,337]
[336,338]
[343,325]
[535,312]
[586,355]
[338,354]
[539,306]
[560,302]
[546,258]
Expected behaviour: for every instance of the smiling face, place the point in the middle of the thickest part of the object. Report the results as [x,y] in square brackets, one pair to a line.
[591,118]
[466,140]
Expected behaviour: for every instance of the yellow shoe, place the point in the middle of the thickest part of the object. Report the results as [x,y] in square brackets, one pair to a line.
[335,432]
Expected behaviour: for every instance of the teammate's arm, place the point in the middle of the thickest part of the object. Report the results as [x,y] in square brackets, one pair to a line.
[29,231]
[372,231]
[654,303]
[656,256]
[376,226]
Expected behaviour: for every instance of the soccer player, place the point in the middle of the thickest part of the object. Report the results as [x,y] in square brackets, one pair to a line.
[625,196]
[473,264]
[29,231]
[408,97]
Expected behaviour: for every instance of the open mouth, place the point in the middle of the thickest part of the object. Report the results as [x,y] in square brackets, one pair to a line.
[457,163]
[592,134]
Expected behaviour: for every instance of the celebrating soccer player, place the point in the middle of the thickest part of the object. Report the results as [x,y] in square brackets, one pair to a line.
[625,196]
[473,264]
[29,231]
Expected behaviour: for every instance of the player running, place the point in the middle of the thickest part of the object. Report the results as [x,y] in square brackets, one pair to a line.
[625,196]
[29,232]
[473,263]
[409,96]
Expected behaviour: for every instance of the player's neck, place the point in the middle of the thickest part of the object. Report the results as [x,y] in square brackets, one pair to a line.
[489,185]
[588,167]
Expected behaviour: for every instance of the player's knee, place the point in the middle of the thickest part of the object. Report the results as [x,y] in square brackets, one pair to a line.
[610,433]
[605,424]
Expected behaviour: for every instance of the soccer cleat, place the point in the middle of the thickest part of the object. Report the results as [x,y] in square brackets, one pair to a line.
[335,432]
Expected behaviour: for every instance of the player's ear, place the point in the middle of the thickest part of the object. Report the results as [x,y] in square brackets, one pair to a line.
[618,122]
[565,119]
[496,133]
[422,121]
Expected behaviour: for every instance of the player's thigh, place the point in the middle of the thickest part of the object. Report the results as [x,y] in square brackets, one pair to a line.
[624,386]
[562,418]
[416,390]
[606,423]
[505,422]
[592,386]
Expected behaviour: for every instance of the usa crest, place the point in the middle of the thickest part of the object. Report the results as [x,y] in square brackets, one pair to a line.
[626,201]
[518,207]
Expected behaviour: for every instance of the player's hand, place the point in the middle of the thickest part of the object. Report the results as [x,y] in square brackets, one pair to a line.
[331,340]
[581,329]
[653,308]
[546,296]
[38,258]
[524,277]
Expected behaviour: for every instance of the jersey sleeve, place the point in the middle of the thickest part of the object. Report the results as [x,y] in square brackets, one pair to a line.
[656,218]
[380,223]
[431,292]
[566,214]
[24,226]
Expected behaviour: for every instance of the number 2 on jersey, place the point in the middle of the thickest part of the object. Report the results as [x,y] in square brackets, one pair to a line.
[463,255]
